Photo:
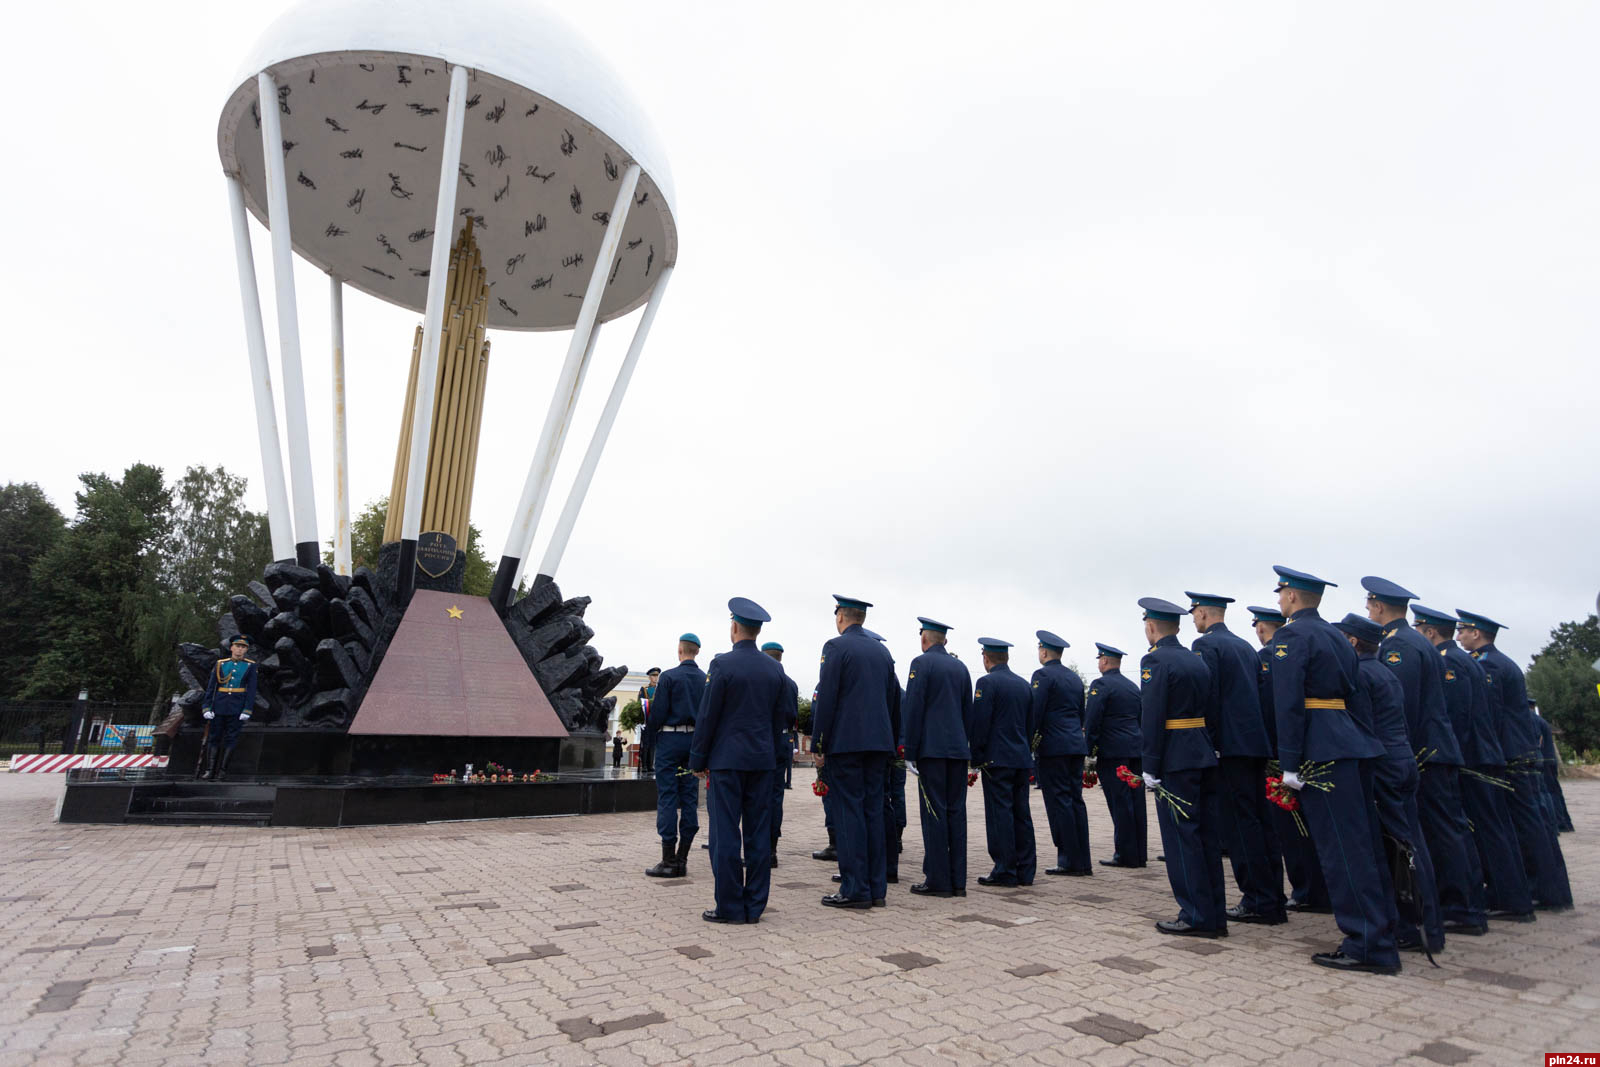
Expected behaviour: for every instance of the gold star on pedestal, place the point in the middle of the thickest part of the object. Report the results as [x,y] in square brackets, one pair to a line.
[455,612]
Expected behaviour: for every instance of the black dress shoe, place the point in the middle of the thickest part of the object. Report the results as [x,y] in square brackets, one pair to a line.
[1112,862]
[1161,858]
[879,902]
[712,917]
[1057,870]
[825,854]
[1306,909]
[1179,928]
[834,900]
[894,878]
[958,892]
[921,889]
[838,878]
[1240,914]
[1541,906]
[1340,962]
[1408,944]
[1467,929]
[1513,916]
[984,879]
[1081,872]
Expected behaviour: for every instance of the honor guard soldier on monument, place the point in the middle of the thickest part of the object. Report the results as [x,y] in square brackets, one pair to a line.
[936,720]
[647,741]
[229,700]
[1002,705]
[1466,697]
[1243,746]
[1416,663]
[737,740]
[1394,789]
[673,715]
[1519,741]
[1315,678]
[1056,727]
[775,650]
[1111,727]
[855,723]
[1180,758]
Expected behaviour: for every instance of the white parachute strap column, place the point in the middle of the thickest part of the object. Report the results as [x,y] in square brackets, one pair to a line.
[519,542]
[278,520]
[428,360]
[307,548]
[602,430]
[341,445]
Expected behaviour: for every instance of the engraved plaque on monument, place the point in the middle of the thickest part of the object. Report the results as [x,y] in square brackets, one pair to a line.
[436,554]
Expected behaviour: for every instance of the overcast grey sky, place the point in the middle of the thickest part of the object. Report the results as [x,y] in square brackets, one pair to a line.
[1007,315]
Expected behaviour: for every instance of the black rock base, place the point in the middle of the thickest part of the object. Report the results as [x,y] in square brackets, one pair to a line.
[289,751]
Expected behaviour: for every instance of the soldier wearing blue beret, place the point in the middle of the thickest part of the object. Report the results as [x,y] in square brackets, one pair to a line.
[1309,893]
[1444,820]
[786,758]
[671,725]
[855,722]
[1519,740]
[1466,694]
[737,740]
[936,723]
[1001,706]
[1394,787]
[1315,680]
[1056,728]
[1233,713]
[230,698]
[1180,757]
[1111,728]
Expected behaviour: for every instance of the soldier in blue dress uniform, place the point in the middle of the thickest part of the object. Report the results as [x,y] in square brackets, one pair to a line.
[229,700]
[737,739]
[1552,771]
[1111,728]
[1308,892]
[1466,695]
[1001,706]
[894,795]
[936,722]
[786,759]
[1519,741]
[1444,821]
[671,726]
[1180,757]
[1233,714]
[1395,783]
[1315,680]
[855,724]
[1056,726]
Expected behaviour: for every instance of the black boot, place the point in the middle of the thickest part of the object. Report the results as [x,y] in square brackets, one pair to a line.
[668,867]
[202,766]
[828,853]
[219,764]
[681,860]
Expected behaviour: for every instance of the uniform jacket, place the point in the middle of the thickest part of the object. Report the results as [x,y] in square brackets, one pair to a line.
[1508,703]
[1173,683]
[678,695]
[1466,698]
[1313,662]
[231,688]
[1388,706]
[1416,663]
[1056,715]
[791,704]
[1233,712]
[740,727]
[937,714]
[1001,706]
[1111,717]
[858,699]
[1269,715]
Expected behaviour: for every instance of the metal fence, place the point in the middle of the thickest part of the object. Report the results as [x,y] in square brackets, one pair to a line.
[50,726]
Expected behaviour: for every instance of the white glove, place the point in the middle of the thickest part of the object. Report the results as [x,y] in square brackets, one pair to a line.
[208,715]
[244,716]
[1151,780]
[1292,780]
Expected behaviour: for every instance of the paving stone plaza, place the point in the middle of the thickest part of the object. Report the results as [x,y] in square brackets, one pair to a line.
[540,941]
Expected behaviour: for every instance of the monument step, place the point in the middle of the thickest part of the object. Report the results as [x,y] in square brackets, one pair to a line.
[199,818]
[200,804]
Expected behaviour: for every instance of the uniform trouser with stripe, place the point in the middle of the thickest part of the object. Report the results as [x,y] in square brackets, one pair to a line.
[1257,866]
[942,803]
[1455,859]
[1541,854]
[1193,847]
[857,790]
[1008,825]
[1061,782]
[1126,806]
[1492,835]
[677,794]
[894,816]
[1308,888]
[1395,783]
[1344,826]
[741,809]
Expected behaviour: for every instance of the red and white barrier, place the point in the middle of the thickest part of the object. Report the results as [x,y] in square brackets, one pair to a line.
[50,763]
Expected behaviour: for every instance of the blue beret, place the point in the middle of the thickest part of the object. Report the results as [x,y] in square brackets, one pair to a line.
[747,612]
[850,602]
[1361,628]
[1388,592]
[1266,614]
[871,634]
[1050,640]
[1432,616]
[1161,610]
[238,639]
[1288,576]
[693,639]
[1107,650]
[933,624]
[1207,600]
[772,646]
[994,643]
[1481,622]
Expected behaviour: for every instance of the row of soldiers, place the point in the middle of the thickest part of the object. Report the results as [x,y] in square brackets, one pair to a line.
[1384,735]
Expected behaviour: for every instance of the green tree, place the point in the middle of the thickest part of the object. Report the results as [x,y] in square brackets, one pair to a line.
[30,526]
[479,576]
[1562,680]
[631,717]
[366,537]
[92,583]
[802,721]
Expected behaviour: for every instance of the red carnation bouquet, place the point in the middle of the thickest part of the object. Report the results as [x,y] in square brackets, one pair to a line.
[1090,779]
[972,779]
[819,787]
[1178,805]
[1128,778]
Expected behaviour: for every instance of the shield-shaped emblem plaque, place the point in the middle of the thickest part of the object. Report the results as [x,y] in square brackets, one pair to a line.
[436,553]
